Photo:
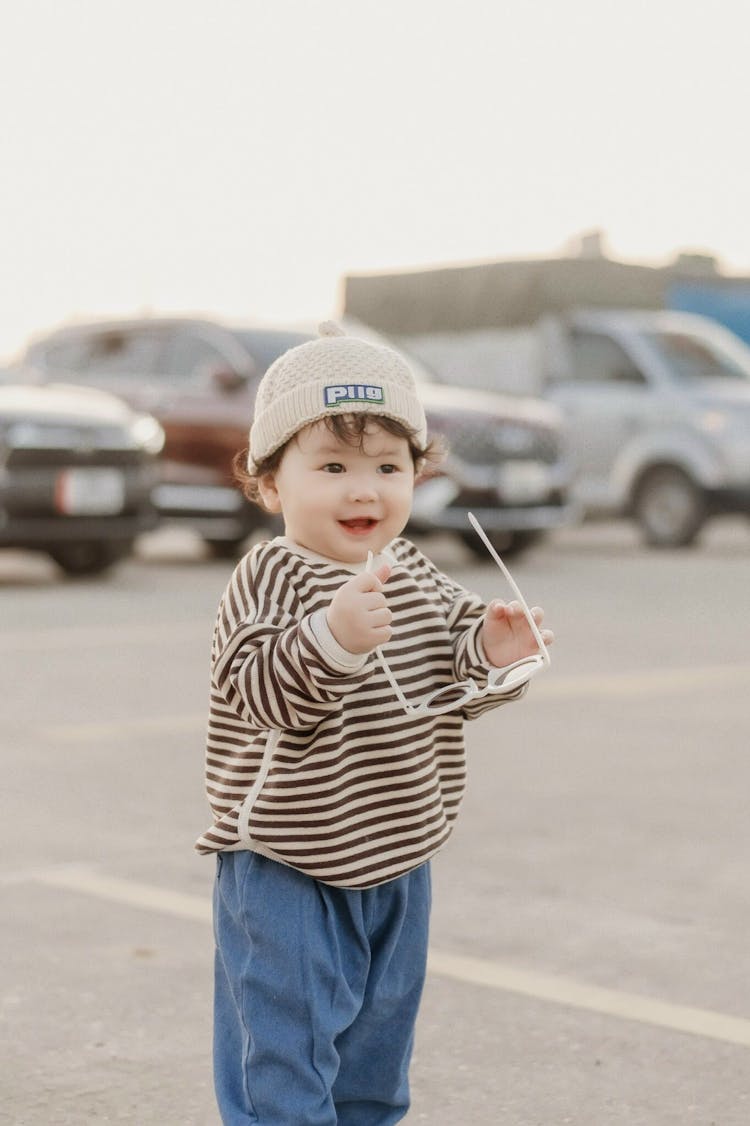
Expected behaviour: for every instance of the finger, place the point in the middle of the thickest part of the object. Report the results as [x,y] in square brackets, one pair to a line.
[513,612]
[496,608]
[537,614]
[373,600]
[380,617]
[548,636]
[372,580]
[383,572]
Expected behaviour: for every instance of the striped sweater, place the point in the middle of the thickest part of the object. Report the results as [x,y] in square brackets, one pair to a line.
[352,790]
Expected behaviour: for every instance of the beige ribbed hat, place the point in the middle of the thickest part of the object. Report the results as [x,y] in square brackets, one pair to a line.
[335,374]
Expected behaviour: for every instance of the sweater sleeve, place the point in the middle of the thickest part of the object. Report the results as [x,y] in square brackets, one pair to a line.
[268,662]
[465,618]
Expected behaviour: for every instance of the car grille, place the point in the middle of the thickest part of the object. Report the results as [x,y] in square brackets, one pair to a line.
[31,458]
[477,499]
[496,441]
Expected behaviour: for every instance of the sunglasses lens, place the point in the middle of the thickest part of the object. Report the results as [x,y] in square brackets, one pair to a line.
[517,674]
[451,696]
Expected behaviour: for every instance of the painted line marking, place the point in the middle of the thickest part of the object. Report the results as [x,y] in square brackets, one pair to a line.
[645,682]
[567,991]
[82,732]
[651,682]
[553,988]
[116,634]
[79,878]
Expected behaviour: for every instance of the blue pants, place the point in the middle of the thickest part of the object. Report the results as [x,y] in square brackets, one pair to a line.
[316,995]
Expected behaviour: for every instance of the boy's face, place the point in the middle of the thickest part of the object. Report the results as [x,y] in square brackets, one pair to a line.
[340,500]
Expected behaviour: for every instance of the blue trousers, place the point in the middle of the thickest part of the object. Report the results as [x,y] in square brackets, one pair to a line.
[316,995]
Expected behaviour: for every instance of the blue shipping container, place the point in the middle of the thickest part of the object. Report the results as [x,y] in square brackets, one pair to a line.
[726,302]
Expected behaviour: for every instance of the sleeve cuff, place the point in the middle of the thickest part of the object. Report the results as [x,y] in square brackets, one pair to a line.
[335,655]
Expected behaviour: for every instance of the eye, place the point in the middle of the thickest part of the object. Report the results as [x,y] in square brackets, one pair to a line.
[388,468]
[333,467]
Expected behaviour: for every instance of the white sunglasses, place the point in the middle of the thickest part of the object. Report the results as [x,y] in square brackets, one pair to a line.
[499,681]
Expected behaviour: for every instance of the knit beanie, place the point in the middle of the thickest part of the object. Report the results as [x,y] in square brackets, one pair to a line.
[334,374]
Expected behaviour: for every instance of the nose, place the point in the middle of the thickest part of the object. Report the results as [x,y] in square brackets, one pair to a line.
[362,488]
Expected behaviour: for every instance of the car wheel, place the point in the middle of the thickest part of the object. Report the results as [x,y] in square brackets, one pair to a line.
[508,545]
[234,546]
[90,557]
[669,508]
[226,549]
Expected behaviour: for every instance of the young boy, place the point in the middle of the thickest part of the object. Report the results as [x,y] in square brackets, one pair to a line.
[329,797]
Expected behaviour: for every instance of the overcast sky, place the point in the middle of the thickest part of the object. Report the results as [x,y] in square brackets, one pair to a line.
[239,156]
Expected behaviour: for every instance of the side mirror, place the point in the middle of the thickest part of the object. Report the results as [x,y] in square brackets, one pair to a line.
[628,375]
[228,380]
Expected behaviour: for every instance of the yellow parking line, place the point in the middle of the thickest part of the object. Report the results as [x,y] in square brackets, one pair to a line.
[593,998]
[644,682]
[113,634]
[79,878]
[552,988]
[651,682]
[159,724]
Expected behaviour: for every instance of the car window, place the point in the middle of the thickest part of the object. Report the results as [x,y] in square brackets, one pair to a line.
[596,358]
[266,345]
[190,356]
[62,355]
[690,356]
[119,352]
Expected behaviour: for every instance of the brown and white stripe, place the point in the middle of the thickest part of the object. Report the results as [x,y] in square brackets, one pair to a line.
[357,792]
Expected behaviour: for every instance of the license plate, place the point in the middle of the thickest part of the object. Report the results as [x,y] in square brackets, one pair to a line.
[90,492]
[524,482]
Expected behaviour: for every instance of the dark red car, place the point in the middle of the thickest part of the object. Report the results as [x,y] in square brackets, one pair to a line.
[199,377]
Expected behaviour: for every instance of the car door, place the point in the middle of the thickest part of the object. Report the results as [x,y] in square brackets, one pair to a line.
[116,359]
[206,406]
[606,401]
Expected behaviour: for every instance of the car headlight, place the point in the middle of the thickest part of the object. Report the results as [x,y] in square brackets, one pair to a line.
[514,440]
[41,436]
[713,421]
[147,434]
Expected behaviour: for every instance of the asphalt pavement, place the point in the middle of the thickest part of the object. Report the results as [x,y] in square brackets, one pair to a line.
[590,957]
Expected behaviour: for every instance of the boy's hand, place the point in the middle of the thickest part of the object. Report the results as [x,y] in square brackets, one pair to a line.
[358,616]
[507,636]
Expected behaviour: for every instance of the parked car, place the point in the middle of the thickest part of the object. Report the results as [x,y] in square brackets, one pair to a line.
[507,462]
[77,468]
[656,403]
[199,378]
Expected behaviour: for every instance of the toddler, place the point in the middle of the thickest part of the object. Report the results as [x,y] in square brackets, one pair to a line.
[329,796]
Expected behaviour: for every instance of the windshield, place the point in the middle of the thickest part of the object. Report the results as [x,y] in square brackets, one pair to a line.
[266,345]
[692,355]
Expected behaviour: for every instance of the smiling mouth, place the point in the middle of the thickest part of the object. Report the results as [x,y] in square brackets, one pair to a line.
[360,525]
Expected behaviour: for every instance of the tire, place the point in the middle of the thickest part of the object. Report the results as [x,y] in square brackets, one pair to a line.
[89,557]
[226,549]
[234,546]
[669,508]
[508,545]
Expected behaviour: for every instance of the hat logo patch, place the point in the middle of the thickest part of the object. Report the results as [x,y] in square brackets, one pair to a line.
[337,393]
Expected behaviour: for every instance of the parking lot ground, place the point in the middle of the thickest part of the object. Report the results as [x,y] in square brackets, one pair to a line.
[589,950]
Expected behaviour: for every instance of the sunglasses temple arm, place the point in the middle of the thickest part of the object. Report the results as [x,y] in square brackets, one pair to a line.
[512,584]
[393,682]
[386,667]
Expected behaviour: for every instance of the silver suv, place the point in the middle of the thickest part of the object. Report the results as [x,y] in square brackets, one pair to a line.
[656,405]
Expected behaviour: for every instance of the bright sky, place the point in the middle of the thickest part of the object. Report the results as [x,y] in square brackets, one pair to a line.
[239,156]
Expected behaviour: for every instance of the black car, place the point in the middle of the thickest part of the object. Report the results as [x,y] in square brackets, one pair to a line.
[77,470]
[199,377]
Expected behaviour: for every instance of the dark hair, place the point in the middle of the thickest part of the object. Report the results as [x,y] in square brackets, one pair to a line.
[349,428]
